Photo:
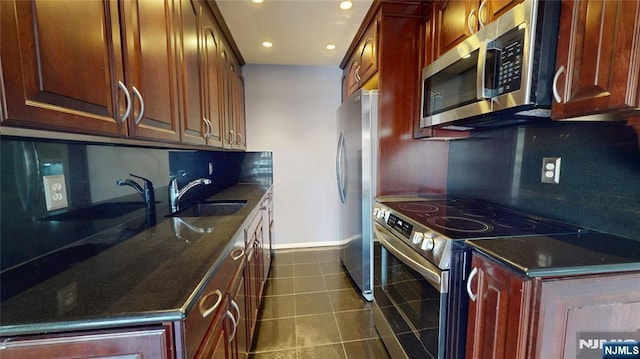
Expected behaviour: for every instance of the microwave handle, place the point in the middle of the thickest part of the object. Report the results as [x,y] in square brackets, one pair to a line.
[482,91]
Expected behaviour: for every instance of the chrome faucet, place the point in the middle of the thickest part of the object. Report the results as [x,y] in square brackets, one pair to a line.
[175,194]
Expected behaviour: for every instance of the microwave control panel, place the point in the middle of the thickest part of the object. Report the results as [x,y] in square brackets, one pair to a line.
[509,65]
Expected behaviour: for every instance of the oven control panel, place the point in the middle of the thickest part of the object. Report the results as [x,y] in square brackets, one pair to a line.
[399,225]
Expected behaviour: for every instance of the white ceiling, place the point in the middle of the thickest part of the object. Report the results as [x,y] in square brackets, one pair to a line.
[298,29]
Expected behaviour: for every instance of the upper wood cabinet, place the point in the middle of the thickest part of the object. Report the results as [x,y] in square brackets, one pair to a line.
[212,95]
[64,70]
[150,57]
[159,70]
[62,66]
[456,20]
[233,106]
[598,59]
[363,64]
[193,124]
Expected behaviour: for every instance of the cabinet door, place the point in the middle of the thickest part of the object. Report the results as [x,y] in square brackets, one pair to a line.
[150,65]
[587,308]
[457,20]
[239,113]
[212,98]
[61,65]
[216,342]
[598,58]
[141,343]
[193,126]
[490,10]
[368,53]
[496,319]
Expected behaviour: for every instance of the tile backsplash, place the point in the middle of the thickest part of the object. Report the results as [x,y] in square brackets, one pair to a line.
[91,172]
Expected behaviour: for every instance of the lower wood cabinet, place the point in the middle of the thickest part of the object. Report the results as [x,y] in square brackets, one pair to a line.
[148,342]
[513,316]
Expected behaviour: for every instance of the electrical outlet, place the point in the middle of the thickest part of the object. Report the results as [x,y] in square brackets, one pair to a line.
[210,168]
[55,192]
[67,298]
[551,170]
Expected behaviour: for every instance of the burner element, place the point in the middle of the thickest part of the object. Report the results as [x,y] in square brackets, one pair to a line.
[418,207]
[477,212]
[460,224]
[514,223]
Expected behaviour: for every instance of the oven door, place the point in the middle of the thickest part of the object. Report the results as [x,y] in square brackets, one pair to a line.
[410,297]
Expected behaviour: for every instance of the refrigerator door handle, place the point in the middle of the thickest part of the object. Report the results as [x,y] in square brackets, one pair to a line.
[341,164]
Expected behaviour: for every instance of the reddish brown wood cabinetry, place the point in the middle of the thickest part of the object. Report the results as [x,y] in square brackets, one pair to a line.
[458,19]
[363,64]
[64,70]
[598,58]
[62,66]
[150,58]
[148,342]
[496,311]
[513,316]
[138,69]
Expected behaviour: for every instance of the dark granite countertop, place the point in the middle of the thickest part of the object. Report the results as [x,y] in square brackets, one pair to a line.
[563,255]
[152,277]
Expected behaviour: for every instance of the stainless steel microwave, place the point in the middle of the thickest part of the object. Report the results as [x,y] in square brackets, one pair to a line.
[501,74]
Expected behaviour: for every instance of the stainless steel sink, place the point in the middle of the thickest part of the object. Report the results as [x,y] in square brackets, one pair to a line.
[211,208]
[97,212]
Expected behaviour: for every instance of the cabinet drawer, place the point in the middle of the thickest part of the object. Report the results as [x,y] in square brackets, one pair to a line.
[211,303]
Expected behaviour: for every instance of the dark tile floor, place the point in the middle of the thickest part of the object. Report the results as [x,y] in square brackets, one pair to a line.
[311,310]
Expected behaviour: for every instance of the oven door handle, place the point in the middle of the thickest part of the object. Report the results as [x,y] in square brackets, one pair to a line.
[430,272]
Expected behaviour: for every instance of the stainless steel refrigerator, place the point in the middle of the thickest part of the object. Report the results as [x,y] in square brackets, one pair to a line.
[356,167]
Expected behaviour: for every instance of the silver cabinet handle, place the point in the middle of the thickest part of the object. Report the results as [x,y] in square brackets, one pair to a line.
[235,325]
[556,95]
[139,96]
[469,22]
[206,312]
[358,74]
[482,6]
[127,96]
[237,254]
[209,127]
[473,273]
[233,136]
[240,136]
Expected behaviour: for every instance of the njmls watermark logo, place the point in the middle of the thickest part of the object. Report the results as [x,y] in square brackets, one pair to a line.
[608,345]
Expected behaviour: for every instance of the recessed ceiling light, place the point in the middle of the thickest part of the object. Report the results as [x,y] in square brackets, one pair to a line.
[267,44]
[257,1]
[331,47]
[346,5]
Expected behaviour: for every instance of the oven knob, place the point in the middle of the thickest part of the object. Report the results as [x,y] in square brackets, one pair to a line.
[381,213]
[428,243]
[417,237]
[375,212]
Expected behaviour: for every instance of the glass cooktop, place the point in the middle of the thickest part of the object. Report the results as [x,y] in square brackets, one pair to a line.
[464,219]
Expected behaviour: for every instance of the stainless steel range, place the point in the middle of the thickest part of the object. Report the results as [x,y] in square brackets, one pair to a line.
[421,267]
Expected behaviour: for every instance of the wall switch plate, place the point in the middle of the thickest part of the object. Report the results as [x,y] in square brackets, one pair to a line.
[551,170]
[55,192]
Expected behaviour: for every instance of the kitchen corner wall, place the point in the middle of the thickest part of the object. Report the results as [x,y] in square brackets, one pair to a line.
[291,110]
[599,173]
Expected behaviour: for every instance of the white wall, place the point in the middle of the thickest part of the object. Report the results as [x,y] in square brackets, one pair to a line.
[291,111]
